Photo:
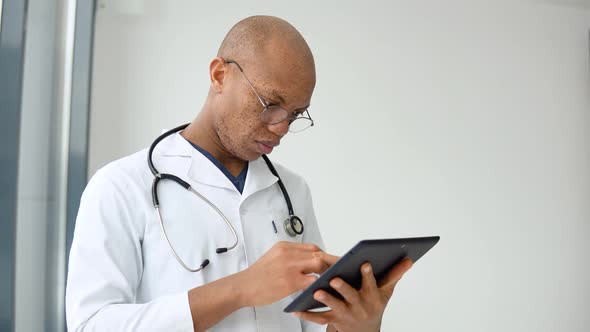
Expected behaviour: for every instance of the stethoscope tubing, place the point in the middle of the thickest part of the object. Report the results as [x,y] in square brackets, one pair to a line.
[165,176]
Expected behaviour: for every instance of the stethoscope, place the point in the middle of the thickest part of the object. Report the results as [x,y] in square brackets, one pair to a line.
[292,225]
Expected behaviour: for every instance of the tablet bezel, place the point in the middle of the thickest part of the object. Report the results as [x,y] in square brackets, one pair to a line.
[383,254]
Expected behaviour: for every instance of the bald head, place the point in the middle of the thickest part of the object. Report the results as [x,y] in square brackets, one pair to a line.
[267,38]
[272,70]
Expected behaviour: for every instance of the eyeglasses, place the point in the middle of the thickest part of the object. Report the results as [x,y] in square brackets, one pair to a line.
[273,113]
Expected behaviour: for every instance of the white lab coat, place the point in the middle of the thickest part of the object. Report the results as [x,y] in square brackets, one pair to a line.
[122,274]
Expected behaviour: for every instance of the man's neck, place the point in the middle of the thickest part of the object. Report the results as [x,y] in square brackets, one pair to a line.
[205,137]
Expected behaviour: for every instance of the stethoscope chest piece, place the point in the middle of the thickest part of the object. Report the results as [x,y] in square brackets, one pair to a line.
[293,226]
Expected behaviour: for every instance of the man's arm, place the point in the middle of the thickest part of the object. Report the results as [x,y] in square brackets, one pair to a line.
[212,302]
[283,270]
[106,266]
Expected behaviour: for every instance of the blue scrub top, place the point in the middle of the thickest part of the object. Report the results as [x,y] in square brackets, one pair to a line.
[238,181]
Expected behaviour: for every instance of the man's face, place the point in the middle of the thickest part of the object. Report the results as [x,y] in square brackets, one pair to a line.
[238,124]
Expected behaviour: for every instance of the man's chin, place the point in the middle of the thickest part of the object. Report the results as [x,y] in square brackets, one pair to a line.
[249,156]
[254,156]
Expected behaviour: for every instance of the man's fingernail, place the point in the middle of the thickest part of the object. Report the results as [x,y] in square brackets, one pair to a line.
[367,268]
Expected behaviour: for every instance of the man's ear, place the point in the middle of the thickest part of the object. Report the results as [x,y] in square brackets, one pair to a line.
[217,71]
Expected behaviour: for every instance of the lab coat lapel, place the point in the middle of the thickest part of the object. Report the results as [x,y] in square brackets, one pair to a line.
[201,169]
[259,177]
[173,146]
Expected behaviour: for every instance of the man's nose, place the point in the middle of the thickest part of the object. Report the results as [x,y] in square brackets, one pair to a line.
[281,128]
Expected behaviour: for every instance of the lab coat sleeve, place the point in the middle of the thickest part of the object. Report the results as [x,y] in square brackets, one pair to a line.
[105,267]
[311,235]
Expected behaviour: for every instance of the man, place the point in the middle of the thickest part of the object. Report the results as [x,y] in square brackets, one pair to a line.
[123,271]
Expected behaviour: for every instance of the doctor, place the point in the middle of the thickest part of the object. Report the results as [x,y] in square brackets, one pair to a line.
[221,256]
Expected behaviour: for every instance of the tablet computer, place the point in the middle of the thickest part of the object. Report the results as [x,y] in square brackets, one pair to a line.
[382,254]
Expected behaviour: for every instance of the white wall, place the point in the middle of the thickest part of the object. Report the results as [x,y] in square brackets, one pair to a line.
[466,119]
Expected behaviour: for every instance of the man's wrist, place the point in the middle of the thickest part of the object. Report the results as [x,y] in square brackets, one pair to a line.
[241,289]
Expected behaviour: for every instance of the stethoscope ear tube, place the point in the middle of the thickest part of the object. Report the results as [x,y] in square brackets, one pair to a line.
[281,185]
[293,225]
[155,142]
[155,192]
[165,176]
[176,179]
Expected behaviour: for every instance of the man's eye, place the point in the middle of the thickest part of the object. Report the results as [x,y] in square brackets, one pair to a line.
[294,116]
[270,102]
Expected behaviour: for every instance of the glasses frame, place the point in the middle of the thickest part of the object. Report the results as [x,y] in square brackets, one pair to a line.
[268,105]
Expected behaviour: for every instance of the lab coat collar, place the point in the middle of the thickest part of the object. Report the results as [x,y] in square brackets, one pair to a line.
[202,170]
[174,146]
[259,177]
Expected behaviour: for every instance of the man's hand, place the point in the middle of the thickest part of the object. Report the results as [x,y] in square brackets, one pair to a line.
[361,310]
[283,270]
[280,272]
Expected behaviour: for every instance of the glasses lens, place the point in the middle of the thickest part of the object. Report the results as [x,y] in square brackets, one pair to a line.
[299,124]
[274,114]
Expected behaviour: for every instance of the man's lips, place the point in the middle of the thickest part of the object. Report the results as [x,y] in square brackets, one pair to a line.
[266,147]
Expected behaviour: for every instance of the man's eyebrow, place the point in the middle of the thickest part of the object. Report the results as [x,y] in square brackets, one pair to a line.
[277,96]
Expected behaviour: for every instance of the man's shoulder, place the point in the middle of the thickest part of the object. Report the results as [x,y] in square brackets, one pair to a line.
[126,170]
